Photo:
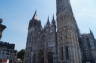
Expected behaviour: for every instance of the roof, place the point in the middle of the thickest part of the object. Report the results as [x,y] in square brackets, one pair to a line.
[7,45]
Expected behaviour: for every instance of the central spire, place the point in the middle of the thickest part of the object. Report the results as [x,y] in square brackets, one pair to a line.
[35,16]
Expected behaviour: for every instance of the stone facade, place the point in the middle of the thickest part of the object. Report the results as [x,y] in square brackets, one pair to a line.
[41,42]
[7,52]
[88,48]
[61,42]
[67,34]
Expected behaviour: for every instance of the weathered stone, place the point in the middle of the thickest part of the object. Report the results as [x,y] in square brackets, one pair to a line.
[61,44]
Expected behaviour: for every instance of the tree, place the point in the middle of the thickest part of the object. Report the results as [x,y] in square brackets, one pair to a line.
[21,54]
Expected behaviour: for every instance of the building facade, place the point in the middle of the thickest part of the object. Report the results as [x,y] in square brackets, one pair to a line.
[7,52]
[41,42]
[88,48]
[67,34]
[59,42]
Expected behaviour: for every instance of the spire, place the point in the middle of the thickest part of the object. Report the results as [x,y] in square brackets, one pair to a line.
[48,22]
[53,24]
[53,20]
[34,20]
[35,14]
[91,32]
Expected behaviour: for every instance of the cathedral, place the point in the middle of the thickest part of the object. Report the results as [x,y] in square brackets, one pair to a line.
[59,41]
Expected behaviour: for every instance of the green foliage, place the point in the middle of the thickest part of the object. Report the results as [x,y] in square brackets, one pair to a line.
[21,54]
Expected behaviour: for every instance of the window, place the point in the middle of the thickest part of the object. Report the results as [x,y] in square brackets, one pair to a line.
[50,57]
[34,58]
[62,55]
[67,52]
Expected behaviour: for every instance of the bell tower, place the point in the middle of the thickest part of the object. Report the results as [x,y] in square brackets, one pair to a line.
[67,34]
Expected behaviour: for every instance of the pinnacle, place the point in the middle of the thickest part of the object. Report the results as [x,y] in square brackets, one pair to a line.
[35,16]
[53,20]
[48,22]
[53,17]
[90,31]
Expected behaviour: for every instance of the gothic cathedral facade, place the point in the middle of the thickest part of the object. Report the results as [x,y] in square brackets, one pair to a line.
[61,41]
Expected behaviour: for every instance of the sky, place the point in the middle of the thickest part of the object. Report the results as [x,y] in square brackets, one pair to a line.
[17,13]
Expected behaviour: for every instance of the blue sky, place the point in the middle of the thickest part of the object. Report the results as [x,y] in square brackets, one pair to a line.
[17,13]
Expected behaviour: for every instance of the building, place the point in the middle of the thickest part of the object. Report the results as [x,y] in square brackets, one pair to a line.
[41,42]
[61,42]
[88,47]
[8,54]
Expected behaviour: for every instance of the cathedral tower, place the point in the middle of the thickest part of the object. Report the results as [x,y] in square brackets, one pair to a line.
[33,40]
[67,34]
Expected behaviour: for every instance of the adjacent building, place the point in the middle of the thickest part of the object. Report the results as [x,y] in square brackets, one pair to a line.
[8,54]
[59,42]
[88,47]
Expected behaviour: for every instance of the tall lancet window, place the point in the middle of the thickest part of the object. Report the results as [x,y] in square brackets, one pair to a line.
[62,55]
[66,52]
